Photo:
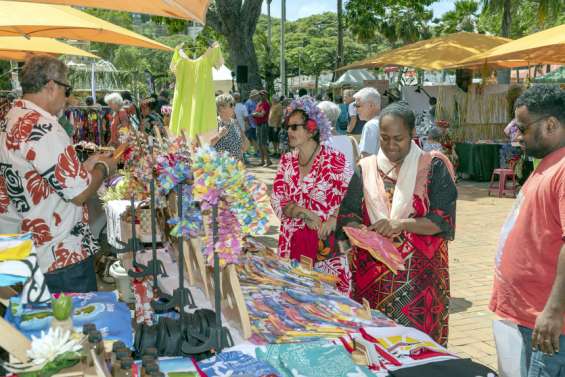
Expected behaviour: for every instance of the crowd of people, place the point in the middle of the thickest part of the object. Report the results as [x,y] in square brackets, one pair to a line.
[383,182]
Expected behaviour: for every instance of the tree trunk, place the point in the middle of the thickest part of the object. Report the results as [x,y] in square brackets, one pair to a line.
[316,83]
[236,21]
[503,75]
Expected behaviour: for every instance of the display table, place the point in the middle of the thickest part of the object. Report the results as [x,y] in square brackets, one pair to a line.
[478,160]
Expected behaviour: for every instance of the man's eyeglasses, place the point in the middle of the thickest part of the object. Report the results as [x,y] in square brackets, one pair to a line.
[524,127]
[68,88]
[294,127]
[358,105]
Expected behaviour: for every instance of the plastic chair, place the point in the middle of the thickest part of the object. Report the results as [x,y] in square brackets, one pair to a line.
[504,174]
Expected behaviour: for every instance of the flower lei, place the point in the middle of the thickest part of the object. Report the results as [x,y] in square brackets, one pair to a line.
[172,166]
[316,117]
[243,206]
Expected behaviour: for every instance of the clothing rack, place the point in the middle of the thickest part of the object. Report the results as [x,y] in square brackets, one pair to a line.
[94,118]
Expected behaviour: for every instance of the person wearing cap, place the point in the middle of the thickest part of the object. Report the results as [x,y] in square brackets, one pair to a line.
[308,188]
[43,185]
[261,116]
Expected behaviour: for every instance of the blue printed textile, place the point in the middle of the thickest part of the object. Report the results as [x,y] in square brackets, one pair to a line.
[236,363]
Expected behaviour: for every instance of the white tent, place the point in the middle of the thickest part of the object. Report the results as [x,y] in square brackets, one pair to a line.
[354,78]
[222,79]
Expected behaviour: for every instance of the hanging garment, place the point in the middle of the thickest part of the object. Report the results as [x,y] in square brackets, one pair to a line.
[194,105]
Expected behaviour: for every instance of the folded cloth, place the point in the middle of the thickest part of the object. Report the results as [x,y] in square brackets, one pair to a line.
[23,270]
[234,364]
[459,368]
[378,246]
[7,280]
[15,246]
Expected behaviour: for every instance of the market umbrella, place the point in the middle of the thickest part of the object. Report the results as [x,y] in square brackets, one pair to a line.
[544,47]
[59,21]
[433,54]
[20,48]
[187,9]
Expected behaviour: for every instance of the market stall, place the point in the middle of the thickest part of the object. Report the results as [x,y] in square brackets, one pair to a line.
[193,235]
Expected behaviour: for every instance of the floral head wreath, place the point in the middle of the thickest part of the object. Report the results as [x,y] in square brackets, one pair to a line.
[316,118]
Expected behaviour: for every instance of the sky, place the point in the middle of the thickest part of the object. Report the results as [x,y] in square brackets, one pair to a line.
[303,8]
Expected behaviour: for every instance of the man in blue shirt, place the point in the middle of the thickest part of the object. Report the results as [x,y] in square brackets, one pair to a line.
[251,132]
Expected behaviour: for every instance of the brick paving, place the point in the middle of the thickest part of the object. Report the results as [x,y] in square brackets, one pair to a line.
[471,263]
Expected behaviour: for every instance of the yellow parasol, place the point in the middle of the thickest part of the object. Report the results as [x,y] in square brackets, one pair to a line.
[20,48]
[544,47]
[433,54]
[187,9]
[59,21]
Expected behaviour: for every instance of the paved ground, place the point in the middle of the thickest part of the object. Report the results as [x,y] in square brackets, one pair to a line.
[479,219]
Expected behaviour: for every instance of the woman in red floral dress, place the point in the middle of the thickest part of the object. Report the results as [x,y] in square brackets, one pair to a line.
[308,188]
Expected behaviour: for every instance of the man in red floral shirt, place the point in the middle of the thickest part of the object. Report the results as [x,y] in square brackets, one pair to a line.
[43,182]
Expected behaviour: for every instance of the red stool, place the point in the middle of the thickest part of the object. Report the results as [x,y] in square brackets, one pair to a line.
[503,175]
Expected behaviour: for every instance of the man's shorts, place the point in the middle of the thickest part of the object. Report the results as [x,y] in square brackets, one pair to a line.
[274,134]
[263,134]
[251,133]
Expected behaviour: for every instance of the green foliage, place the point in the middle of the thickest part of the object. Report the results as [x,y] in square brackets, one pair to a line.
[310,42]
[528,16]
[463,18]
[5,75]
[400,22]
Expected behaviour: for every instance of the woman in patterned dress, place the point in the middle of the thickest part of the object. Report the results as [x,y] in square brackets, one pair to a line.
[308,189]
[230,136]
[408,196]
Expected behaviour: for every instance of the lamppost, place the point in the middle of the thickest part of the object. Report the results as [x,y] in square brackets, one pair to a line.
[283,62]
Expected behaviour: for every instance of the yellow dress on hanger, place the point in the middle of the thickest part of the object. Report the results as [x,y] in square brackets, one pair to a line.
[194,103]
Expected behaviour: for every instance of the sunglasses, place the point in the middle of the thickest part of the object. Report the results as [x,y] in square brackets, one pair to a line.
[294,127]
[68,88]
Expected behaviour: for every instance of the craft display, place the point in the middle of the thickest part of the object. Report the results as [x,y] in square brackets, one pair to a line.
[221,180]
[287,305]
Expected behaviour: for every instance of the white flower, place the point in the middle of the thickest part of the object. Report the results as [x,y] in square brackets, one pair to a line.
[51,345]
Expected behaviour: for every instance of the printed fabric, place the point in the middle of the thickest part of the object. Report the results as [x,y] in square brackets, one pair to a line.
[40,174]
[194,103]
[310,358]
[395,348]
[320,191]
[23,270]
[418,296]
[235,363]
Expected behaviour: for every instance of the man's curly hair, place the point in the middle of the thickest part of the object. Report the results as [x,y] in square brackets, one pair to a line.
[544,100]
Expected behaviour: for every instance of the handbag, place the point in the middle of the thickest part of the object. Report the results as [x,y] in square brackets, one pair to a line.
[142,223]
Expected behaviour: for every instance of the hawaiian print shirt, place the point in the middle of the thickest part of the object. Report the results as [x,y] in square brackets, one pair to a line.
[39,176]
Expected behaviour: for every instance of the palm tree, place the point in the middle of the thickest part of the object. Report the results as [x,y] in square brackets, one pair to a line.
[544,8]
[462,18]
